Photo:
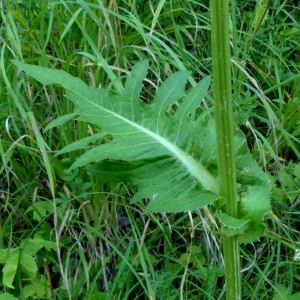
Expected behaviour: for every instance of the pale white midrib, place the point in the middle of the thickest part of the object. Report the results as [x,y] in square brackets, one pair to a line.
[194,168]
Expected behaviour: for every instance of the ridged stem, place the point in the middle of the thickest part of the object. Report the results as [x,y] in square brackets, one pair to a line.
[225,137]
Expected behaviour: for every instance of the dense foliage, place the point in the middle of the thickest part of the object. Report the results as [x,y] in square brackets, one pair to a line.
[69,235]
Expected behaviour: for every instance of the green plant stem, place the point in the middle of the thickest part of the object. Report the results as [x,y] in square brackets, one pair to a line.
[225,137]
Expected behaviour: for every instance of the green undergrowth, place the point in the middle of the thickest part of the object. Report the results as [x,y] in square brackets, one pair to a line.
[89,243]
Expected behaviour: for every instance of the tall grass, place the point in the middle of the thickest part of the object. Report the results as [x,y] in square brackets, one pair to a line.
[105,248]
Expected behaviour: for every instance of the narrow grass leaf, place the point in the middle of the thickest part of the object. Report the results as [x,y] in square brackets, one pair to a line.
[42,146]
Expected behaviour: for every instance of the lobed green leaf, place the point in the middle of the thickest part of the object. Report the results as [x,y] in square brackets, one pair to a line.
[161,147]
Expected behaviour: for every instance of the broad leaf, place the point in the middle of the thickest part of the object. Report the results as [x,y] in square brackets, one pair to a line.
[232,226]
[29,264]
[10,268]
[60,121]
[7,296]
[38,287]
[24,257]
[32,246]
[161,147]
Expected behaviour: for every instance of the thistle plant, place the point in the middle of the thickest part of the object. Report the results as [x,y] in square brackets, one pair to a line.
[177,157]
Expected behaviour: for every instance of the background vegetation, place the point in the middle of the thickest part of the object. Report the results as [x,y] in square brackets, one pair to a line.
[88,243]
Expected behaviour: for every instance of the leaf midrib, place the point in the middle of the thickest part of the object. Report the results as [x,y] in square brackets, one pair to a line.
[195,168]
